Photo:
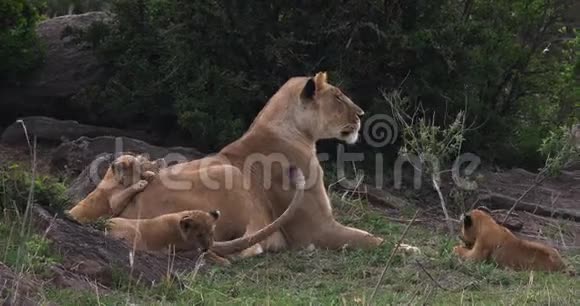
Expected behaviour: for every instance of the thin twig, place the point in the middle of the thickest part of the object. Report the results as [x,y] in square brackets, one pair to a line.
[429,275]
[443,205]
[539,179]
[391,257]
[399,220]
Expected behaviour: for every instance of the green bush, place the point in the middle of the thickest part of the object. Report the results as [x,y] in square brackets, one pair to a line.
[20,50]
[25,251]
[15,184]
[205,68]
[559,150]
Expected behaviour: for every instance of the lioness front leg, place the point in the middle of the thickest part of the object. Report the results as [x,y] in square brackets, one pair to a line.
[120,200]
[338,236]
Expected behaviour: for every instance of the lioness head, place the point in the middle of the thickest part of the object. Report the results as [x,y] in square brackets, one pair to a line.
[197,228]
[326,112]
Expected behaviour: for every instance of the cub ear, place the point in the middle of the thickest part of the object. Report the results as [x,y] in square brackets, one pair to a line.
[467,221]
[117,167]
[160,163]
[186,225]
[215,214]
[142,158]
[309,90]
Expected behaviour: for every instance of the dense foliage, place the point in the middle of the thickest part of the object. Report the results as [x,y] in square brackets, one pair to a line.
[20,50]
[16,184]
[206,67]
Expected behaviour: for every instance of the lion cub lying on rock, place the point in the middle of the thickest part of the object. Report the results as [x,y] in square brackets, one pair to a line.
[128,175]
[486,240]
[186,230]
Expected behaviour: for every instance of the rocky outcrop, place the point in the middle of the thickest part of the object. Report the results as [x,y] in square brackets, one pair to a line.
[67,69]
[48,129]
[76,155]
[88,254]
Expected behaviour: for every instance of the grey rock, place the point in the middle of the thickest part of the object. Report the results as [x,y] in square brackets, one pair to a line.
[91,157]
[48,129]
[67,69]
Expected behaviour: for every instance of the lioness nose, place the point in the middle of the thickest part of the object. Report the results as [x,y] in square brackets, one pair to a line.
[359,112]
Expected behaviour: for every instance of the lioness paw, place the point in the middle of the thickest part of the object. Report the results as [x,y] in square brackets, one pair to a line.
[140,185]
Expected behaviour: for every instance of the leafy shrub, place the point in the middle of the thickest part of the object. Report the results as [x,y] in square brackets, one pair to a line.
[25,251]
[15,185]
[559,150]
[205,68]
[20,50]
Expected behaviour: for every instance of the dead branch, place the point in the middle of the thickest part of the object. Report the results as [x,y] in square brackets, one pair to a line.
[506,202]
[374,195]
[539,179]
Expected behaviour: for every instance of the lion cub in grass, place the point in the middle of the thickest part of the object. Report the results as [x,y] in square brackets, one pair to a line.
[485,239]
[186,231]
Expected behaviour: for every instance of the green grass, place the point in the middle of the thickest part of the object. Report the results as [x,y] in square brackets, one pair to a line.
[329,277]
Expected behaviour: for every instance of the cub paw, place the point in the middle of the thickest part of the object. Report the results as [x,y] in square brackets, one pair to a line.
[148,175]
[459,250]
[140,185]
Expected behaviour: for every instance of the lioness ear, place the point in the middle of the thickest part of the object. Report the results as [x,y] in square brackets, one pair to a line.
[467,221]
[309,90]
[215,214]
[313,85]
[320,80]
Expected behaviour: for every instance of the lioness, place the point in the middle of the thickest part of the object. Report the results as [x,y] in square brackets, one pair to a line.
[246,180]
[487,240]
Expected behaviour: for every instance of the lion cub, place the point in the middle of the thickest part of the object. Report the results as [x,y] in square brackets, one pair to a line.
[127,175]
[186,230]
[486,240]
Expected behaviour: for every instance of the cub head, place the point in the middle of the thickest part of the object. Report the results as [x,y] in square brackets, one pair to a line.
[127,169]
[326,112]
[197,229]
[471,223]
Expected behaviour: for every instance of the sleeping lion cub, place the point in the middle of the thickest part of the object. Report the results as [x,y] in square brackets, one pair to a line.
[127,176]
[186,230]
[487,240]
